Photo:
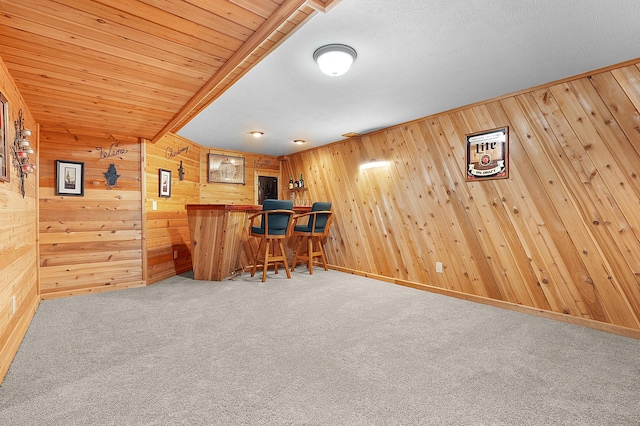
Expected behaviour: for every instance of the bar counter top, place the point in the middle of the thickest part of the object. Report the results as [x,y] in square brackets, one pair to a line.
[239,207]
[234,207]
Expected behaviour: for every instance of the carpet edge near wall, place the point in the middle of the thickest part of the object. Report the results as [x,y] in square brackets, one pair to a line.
[556,316]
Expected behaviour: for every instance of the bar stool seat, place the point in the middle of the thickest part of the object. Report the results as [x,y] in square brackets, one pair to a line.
[316,228]
[275,226]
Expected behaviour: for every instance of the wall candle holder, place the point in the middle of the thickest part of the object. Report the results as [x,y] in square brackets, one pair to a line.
[21,151]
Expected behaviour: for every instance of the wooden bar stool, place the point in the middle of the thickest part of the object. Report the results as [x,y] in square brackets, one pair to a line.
[316,228]
[275,226]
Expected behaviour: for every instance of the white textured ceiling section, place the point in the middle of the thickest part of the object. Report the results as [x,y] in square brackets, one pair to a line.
[415,58]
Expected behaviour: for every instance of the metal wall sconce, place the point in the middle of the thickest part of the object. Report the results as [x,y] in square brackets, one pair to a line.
[21,151]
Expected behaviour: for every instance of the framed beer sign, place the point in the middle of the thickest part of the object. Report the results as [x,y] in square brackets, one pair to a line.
[488,155]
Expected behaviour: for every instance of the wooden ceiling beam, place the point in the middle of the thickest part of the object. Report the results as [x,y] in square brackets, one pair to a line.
[280,16]
[323,6]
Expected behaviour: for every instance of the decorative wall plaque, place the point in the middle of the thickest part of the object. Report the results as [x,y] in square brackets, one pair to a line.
[112,176]
[181,172]
[488,155]
[225,169]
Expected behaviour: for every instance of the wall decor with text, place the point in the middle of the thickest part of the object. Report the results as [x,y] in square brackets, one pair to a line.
[488,155]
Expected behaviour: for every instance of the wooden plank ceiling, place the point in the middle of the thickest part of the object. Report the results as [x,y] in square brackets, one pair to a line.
[136,67]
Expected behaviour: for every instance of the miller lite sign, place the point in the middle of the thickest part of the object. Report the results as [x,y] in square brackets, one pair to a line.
[488,154]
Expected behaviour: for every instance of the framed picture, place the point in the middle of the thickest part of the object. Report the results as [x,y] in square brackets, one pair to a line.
[69,178]
[488,155]
[5,173]
[225,169]
[164,180]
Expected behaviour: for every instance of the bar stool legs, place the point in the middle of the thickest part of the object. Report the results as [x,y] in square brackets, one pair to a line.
[310,254]
[269,256]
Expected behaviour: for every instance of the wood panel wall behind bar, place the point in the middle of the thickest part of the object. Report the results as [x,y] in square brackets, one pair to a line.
[561,234]
[94,242]
[230,193]
[18,236]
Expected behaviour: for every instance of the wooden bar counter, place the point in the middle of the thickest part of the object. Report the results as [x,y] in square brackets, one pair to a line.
[219,247]
[216,238]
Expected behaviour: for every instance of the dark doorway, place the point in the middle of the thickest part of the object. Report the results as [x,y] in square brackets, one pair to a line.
[267,188]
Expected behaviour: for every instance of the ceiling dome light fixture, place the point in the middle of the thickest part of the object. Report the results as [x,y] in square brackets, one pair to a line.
[334,59]
[299,141]
[256,134]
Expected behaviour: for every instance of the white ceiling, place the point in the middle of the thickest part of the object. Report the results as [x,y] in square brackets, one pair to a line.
[415,58]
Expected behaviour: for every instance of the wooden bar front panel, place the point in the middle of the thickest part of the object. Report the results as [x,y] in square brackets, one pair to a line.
[216,239]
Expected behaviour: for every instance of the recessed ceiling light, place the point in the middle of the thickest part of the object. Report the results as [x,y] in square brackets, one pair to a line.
[256,134]
[299,141]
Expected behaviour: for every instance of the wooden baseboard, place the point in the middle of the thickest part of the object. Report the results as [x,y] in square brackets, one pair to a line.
[584,322]
[153,279]
[91,290]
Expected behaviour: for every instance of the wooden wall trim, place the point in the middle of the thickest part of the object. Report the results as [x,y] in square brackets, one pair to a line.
[143,208]
[37,177]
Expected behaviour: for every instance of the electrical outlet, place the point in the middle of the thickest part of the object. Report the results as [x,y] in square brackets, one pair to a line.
[175,254]
[439,267]
[13,305]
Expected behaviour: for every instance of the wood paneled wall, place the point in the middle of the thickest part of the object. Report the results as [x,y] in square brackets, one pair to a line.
[228,193]
[93,242]
[18,238]
[168,241]
[560,235]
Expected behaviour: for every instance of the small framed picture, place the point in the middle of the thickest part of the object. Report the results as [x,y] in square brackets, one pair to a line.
[69,178]
[164,180]
[225,169]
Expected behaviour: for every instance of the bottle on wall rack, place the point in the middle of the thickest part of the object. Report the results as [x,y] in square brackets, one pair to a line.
[301,181]
[290,181]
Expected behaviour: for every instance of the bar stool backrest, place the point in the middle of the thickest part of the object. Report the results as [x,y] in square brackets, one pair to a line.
[320,219]
[278,223]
